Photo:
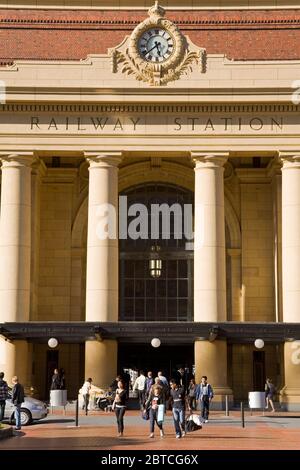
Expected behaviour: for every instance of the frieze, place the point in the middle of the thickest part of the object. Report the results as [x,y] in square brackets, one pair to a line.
[139,124]
[149,124]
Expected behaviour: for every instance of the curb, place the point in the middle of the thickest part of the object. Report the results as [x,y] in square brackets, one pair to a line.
[6,431]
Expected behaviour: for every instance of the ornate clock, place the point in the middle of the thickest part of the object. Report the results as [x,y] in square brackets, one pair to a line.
[156,51]
[156,45]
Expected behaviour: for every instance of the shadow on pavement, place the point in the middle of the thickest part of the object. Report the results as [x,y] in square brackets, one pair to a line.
[54,421]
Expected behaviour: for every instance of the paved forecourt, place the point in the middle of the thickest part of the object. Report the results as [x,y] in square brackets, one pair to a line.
[98,432]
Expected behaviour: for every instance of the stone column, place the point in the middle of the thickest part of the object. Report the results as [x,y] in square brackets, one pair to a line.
[15,246]
[15,238]
[102,277]
[210,268]
[291,275]
[209,250]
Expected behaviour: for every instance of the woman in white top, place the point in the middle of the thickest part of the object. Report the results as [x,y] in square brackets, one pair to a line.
[85,390]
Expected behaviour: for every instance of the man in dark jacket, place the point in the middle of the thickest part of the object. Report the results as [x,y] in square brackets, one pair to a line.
[3,395]
[17,399]
[182,378]
[55,381]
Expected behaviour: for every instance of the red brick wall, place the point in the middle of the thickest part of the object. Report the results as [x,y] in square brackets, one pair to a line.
[58,34]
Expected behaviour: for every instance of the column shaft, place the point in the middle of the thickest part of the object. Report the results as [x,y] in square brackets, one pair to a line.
[291,239]
[15,238]
[102,253]
[101,362]
[209,251]
[290,395]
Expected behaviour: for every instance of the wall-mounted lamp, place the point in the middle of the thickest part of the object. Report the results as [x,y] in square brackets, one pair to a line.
[155,262]
[213,333]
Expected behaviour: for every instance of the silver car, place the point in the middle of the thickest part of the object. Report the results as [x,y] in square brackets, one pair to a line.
[31,409]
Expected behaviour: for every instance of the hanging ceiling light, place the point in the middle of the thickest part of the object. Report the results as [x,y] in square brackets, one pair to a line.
[155,263]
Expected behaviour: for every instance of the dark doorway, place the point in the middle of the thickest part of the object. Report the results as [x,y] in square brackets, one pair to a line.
[51,364]
[166,358]
[259,374]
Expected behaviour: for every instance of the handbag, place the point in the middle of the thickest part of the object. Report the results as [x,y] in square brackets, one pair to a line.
[145,414]
[161,413]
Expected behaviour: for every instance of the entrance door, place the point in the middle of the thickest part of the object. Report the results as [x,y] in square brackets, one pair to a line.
[259,375]
[166,358]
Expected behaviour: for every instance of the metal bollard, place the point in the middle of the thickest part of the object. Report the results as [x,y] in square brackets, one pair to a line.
[243,414]
[76,412]
[226,405]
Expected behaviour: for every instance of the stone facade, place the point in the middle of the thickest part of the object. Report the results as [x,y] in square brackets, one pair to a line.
[75,132]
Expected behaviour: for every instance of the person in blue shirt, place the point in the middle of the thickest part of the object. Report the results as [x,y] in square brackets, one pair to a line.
[204,394]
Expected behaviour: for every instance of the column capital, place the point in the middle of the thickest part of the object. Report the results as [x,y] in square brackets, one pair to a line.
[103,159]
[18,159]
[289,160]
[209,159]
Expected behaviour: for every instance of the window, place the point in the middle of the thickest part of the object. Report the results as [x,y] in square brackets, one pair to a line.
[169,297]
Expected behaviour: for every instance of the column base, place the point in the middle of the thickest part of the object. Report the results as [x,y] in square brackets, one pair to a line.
[15,359]
[290,399]
[101,362]
[211,360]
[219,400]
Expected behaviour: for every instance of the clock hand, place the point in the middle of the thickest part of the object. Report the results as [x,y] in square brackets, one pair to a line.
[156,46]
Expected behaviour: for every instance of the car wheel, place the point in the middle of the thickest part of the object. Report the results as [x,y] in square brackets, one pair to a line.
[26,417]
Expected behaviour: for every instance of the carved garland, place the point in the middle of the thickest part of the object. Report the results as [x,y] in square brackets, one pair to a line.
[179,63]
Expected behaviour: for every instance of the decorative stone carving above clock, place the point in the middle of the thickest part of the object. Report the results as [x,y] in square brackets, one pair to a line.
[157,52]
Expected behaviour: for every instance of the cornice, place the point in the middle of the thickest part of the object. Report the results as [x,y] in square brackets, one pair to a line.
[248,21]
[151,108]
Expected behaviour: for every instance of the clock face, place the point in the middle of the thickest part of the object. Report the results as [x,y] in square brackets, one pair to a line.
[156,45]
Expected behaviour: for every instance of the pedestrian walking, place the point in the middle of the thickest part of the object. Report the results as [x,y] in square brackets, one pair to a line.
[191,395]
[17,399]
[3,396]
[270,392]
[85,390]
[163,379]
[154,401]
[149,383]
[177,397]
[140,386]
[204,394]
[119,405]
